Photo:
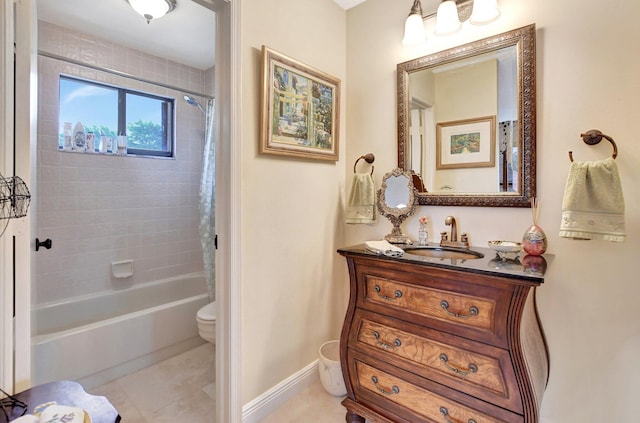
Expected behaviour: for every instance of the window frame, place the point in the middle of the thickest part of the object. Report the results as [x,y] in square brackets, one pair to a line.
[168,116]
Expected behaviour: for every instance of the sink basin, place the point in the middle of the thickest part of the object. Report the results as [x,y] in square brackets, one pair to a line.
[437,251]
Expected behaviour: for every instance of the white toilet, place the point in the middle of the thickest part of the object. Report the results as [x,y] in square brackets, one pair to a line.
[206,318]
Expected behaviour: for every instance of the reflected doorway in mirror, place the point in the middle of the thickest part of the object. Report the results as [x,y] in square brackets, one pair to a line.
[508,155]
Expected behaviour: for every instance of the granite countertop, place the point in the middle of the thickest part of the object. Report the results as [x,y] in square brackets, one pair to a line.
[514,265]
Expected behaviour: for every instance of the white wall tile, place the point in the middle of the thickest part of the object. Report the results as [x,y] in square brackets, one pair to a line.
[99,208]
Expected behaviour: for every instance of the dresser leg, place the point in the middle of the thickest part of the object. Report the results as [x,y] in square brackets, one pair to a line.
[352,417]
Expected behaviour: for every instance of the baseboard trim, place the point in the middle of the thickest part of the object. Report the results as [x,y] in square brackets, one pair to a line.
[259,408]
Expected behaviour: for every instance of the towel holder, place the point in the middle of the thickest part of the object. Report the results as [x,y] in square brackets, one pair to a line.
[369,158]
[593,137]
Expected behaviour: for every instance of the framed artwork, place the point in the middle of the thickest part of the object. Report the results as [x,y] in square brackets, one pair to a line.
[300,109]
[466,143]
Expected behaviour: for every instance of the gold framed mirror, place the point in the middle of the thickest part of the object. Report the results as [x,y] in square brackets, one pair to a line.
[445,100]
[396,202]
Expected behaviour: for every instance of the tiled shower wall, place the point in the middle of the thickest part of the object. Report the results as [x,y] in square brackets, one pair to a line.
[98,209]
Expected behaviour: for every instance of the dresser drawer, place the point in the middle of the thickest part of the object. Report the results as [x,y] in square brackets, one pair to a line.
[457,306]
[480,370]
[429,342]
[390,390]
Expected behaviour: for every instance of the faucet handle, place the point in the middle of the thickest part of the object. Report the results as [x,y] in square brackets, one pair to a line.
[444,236]
[464,237]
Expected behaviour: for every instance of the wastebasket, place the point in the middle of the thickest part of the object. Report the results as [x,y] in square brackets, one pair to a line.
[330,370]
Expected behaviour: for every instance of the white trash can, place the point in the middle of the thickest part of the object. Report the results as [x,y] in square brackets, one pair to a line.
[330,370]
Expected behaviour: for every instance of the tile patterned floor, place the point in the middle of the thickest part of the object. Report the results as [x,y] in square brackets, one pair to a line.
[313,404]
[180,389]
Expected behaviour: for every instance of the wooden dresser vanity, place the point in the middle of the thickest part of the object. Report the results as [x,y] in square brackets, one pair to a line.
[442,340]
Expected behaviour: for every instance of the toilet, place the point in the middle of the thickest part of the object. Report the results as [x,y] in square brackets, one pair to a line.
[206,318]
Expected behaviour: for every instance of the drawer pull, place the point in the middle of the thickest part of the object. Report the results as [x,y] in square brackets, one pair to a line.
[472,367]
[394,389]
[445,414]
[397,294]
[385,344]
[473,311]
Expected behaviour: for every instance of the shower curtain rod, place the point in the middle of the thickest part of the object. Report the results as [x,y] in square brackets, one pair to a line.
[119,73]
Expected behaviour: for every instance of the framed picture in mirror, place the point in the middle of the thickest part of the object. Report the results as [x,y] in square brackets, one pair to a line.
[466,143]
[299,113]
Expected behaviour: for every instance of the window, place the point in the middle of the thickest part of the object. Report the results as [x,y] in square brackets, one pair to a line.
[106,111]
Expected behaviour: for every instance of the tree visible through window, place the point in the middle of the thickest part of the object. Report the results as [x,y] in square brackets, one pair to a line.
[146,119]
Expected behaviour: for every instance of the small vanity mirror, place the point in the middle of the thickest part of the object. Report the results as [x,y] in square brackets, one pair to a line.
[466,122]
[397,201]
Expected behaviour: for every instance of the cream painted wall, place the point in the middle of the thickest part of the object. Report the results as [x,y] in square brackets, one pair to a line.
[587,77]
[293,288]
[453,102]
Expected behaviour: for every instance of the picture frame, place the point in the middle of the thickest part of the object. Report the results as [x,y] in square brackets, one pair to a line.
[300,109]
[466,143]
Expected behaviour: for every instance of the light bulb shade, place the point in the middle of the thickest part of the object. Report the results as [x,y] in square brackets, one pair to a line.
[414,33]
[447,20]
[484,11]
[152,9]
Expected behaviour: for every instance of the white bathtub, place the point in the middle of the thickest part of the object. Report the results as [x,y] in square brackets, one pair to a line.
[100,337]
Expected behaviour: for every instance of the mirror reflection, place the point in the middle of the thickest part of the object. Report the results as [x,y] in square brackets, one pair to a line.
[445,102]
[466,122]
[397,192]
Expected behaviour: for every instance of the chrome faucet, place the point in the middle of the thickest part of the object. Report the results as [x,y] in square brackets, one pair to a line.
[453,242]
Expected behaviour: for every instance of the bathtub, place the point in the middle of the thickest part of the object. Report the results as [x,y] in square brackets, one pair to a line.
[100,337]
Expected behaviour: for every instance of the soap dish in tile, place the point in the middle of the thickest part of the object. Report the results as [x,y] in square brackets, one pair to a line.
[505,246]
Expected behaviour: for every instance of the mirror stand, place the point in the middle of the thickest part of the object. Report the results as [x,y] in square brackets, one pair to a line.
[397,236]
[397,200]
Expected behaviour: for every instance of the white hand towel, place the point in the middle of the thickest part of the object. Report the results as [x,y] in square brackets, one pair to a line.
[362,201]
[62,414]
[593,204]
[384,247]
[27,418]
[51,412]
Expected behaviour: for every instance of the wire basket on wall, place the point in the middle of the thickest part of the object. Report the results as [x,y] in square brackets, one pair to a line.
[14,197]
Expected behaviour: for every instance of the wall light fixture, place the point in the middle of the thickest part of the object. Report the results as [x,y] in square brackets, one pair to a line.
[449,18]
[152,9]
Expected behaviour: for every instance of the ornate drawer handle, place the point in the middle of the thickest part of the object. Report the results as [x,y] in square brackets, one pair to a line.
[394,389]
[397,294]
[472,367]
[385,344]
[445,414]
[473,311]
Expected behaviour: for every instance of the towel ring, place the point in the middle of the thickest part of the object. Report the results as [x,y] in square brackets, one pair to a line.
[593,137]
[369,158]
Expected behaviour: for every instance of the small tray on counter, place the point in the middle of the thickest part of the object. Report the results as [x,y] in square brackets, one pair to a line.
[505,246]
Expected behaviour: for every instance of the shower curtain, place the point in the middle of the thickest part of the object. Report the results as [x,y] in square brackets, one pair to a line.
[207,201]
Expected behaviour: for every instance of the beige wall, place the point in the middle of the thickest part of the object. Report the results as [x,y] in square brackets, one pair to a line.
[587,78]
[453,103]
[293,287]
